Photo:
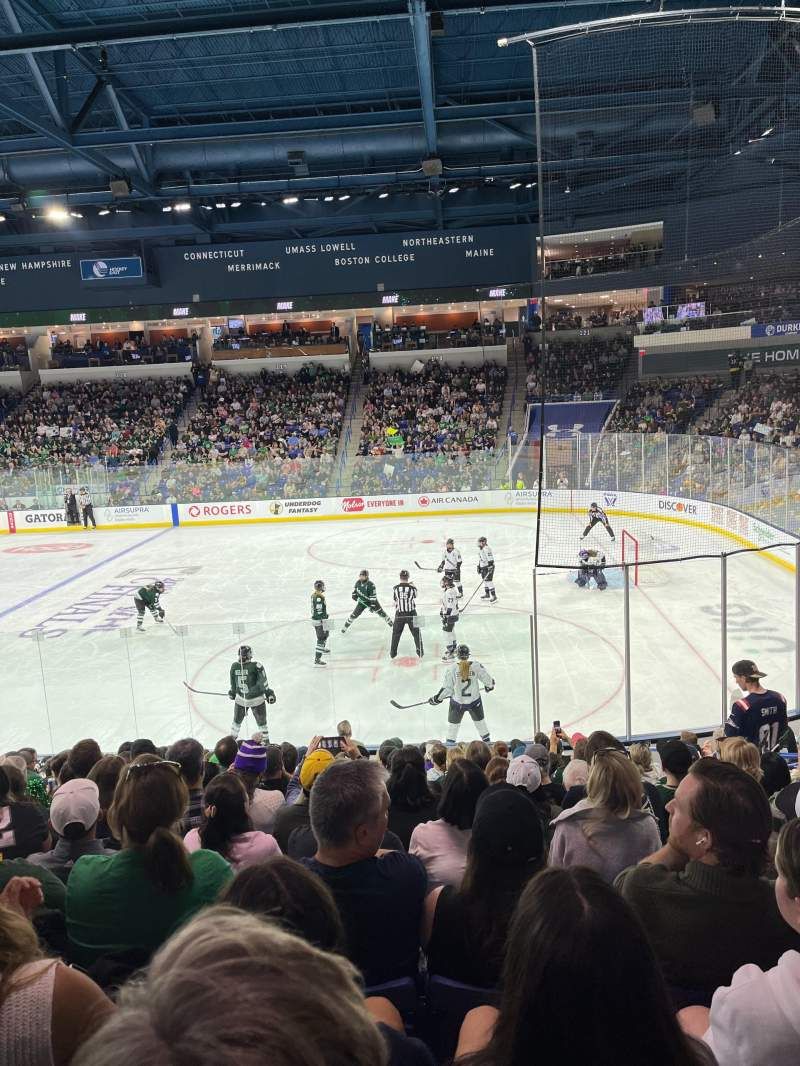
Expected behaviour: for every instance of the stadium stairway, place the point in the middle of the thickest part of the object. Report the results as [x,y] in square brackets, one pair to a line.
[347,448]
[516,390]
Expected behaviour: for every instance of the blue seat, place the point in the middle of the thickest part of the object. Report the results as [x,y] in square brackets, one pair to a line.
[448,1003]
[402,993]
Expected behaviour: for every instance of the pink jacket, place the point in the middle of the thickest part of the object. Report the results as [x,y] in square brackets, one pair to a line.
[246,849]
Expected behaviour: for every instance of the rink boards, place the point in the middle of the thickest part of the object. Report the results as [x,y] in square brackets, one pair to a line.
[742,530]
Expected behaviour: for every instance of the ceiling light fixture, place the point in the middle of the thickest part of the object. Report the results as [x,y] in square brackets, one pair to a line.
[76,214]
[531,185]
[220,205]
[56,214]
[453,188]
[166,208]
[515,184]
[290,200]
[236,203]
[344,196]
[767,131]
[183,205]
[382,195]
[104,211]
[328,199]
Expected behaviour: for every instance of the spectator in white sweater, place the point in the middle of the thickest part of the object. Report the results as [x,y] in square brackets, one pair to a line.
[755,1020]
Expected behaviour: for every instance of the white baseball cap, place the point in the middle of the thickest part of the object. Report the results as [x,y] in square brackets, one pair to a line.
[75,802]
[524,771]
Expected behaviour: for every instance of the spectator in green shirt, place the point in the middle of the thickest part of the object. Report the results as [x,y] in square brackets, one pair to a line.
[128,904]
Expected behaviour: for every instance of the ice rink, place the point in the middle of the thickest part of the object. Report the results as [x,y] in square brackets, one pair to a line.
[73,666]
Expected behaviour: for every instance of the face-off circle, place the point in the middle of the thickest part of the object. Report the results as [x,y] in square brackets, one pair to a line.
[46,549]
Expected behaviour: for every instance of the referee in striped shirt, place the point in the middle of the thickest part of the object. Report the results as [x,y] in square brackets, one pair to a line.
[405,614]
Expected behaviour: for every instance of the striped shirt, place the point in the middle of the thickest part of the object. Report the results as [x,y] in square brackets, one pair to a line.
[405,598]
[595,512]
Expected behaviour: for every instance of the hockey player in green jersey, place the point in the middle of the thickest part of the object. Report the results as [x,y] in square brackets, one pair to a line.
[147,597]
[319,620]
[250,692]
[366,600]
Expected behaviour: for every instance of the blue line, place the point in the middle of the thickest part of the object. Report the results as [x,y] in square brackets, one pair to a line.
[82,573]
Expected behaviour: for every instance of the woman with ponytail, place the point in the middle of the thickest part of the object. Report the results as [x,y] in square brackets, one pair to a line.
[412,802]
[226,826]
[128,904]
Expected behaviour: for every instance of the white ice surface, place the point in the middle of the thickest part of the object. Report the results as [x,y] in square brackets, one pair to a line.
[72,666]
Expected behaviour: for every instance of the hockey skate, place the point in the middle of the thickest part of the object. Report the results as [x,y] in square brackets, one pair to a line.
[345,628]
[493,598]
[320,662]
[486,596]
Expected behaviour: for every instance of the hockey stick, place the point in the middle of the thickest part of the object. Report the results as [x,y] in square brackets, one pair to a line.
[407,706]
[430,569]
[469,601]
[203,692]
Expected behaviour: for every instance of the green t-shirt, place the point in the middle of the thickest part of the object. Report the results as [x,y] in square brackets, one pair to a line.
[112,906]
[54,889]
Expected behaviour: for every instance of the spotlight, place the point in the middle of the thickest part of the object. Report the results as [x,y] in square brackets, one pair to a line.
[290,200]
[56,214]
[183,206]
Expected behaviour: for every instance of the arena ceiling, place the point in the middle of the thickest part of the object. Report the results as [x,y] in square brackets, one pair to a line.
[289,118]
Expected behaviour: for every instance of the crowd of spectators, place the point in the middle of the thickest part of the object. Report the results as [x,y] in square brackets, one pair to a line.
[290,335]
[566,318]
[442,409]
[265,416]
[135,349]
[14,356]
[320,900]
[664,405]
[119,423]
[428,472]
[585,370]
[420,335]
[765,408]
[633,256]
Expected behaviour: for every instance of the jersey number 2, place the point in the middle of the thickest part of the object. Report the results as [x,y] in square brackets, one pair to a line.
[465,687]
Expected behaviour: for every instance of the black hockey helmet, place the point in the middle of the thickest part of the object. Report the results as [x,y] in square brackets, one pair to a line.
[245,653]
[404,575]
[158,586]
[481,541]
[319,586]
[449,543]
[462,651]
[447,581]
[593,505]
[364,573]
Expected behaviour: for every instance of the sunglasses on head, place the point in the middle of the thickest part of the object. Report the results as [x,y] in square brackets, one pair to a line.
[140,768]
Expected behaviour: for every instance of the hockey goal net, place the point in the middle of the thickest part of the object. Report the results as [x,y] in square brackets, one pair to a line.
[630,554]
[647,574]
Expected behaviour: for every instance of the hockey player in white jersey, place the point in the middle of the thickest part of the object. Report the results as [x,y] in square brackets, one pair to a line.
[451,564]
[462,683]
[486,570]
[449,615]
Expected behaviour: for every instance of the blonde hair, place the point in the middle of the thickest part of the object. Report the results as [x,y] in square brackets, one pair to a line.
[743,754]
[463,669]
[641,757]
[289,1003]
[18,945]
[455,751]
[614,783]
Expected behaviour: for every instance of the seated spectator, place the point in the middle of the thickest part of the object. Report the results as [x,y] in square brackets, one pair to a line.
[572,942]
[226,827]
[105,775]
[465,929]
[74,812]
[496,770]
[707,880]
[437,755]
[549,790]
[225,752]
[82,757]
[287,893]
[295,813]
[249,764]
[479,752]
[47,1010]
[608,831]
[576,774]
[776,773]
[189,755]
[275,778]
[643,761]
[411,801]
[743,754]
[442,844]
[755,1020]
[379,894]
[387,750]
[676,760]
[130,902]
[37,789]
[23,823]
[293,1005]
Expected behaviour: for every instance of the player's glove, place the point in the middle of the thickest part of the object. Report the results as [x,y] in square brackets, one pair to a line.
[477,569]
[489,688]
[161,613]
[270,696]
[440,567]
[434,700]
[232,695]
[355,595]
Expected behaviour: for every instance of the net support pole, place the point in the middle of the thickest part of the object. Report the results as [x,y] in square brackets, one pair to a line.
[796,626]
[626,584]
[535,656]
[537,109]
[723,634]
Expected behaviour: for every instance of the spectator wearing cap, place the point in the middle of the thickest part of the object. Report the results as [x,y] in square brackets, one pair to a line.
[295,812]
[608,831]
[249,764]
[549,790]
[189,754]
[702,896]
[74,811]
[464,929]
[760,715]
[441,844]
[379,894]
[755,1019]
[676,758]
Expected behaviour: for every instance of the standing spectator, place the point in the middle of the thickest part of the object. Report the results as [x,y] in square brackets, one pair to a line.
[47,1010]
[755,1019]
[226,826]
[411,801]
[87,507]
[707,881]
[760,715]
[608,830]
[73,817]
[189,755]
[71,507]
[465,928]
[574,942]
[442,844]
[130,903]
[379,894]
